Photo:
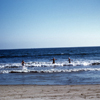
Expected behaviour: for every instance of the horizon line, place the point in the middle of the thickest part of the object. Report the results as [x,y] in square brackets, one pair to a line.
[50,47]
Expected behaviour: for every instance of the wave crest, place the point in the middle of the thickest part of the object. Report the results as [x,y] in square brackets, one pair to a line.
[49,64]
[50,71]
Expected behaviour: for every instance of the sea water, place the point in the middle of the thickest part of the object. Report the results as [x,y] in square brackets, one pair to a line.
[39,69]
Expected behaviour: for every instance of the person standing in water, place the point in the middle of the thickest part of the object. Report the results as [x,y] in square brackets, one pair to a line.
[23,63]
[53,60]
[69,60]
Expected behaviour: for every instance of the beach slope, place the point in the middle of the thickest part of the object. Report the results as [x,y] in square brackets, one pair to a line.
[34,92]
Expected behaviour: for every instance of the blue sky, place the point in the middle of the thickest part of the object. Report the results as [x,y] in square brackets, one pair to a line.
[49,23]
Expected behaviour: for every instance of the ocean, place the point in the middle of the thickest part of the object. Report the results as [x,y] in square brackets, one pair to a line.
[39,69]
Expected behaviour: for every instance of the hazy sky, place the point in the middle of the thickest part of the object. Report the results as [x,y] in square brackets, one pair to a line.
[49,23]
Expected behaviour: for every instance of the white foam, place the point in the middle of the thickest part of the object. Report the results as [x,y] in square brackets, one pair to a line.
[24,68]
[49,64]
[50,70]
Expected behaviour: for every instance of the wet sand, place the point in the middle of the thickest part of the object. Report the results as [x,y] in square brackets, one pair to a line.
[34,92]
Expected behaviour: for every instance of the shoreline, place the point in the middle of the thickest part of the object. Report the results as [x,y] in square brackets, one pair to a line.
[49,92]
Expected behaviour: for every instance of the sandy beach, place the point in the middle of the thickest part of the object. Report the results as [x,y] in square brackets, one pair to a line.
[34,92]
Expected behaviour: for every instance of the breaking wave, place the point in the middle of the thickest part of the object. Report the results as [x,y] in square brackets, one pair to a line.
[49,64]
[50,71]
[48,67]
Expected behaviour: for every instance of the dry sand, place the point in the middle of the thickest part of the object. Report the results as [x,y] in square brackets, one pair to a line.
[34,92]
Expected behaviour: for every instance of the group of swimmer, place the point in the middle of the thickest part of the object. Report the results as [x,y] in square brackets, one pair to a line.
[69,60]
